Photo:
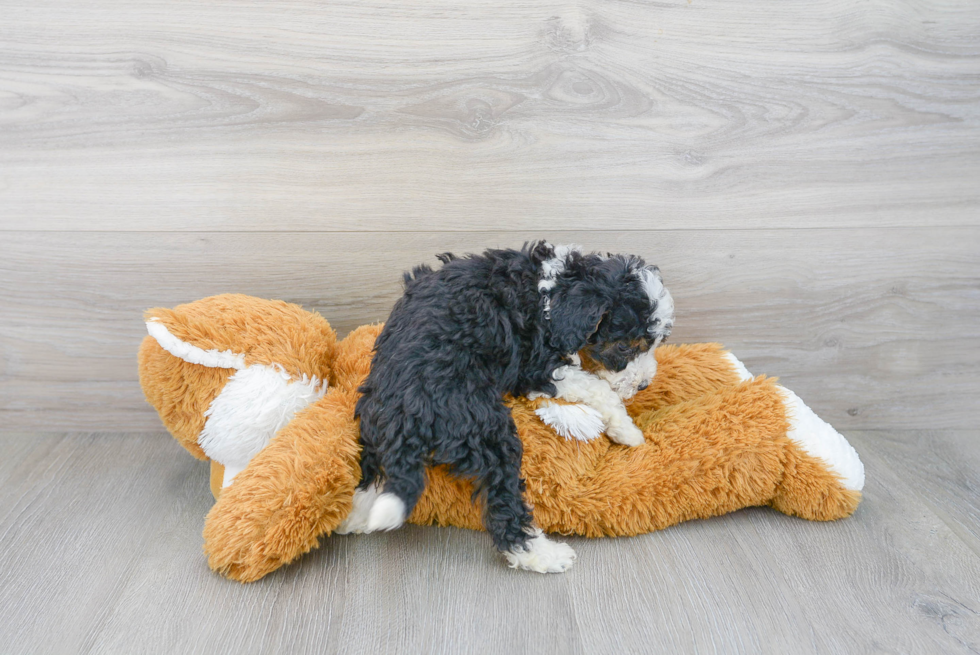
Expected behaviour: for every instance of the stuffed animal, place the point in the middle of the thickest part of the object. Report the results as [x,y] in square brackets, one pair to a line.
[265,391]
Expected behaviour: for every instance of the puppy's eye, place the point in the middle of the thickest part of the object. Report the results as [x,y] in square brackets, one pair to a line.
[623,348]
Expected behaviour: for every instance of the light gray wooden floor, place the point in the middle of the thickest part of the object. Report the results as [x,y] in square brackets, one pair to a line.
[100,552]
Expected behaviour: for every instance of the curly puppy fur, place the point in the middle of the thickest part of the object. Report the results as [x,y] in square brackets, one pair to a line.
[480,327]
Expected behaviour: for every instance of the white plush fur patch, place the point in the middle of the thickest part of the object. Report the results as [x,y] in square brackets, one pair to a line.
[185,351]
[817,438]
[542,555]
[255,404]
[579,422]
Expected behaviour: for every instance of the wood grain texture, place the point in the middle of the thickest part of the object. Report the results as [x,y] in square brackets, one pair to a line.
[873,328]
[945,466]
[463,115]
[100,552]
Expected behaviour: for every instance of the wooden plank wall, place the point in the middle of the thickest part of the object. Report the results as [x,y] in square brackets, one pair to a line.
[806,174]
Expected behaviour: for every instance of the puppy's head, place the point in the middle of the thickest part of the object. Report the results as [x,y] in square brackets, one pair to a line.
[614,310]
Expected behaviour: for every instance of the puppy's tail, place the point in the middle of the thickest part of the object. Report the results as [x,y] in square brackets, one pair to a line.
[446,257]
[421,271]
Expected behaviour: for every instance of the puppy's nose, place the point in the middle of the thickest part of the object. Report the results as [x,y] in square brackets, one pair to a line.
[643,386]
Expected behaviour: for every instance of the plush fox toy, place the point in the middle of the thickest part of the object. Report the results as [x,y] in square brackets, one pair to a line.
[265,391]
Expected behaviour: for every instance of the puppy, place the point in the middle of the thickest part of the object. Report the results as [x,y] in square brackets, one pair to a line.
[618,358]
[504,322]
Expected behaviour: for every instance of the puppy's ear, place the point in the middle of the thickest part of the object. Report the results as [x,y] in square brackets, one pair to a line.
[574,318]
[539,251]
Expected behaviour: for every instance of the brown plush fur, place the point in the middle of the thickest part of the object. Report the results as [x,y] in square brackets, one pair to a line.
[713,445]
[180,391]
[265,331]
[299,487]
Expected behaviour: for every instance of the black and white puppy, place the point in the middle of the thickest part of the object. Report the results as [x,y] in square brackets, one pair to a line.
[481,326]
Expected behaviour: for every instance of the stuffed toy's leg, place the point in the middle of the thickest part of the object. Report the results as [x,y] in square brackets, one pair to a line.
[297,488]
[685,372]
[816,451]
[301,485]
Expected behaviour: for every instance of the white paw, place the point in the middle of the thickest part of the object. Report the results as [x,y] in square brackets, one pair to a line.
[387,513]
[626,434]
[542,555]
[572,421]
[357,521]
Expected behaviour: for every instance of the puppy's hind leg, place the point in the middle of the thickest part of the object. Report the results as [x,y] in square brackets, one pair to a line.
[508,518]
[541,554]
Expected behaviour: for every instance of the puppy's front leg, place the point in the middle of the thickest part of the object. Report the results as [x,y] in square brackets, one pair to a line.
[579,386]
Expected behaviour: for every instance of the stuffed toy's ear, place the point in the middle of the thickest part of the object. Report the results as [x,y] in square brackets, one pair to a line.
[575,316]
